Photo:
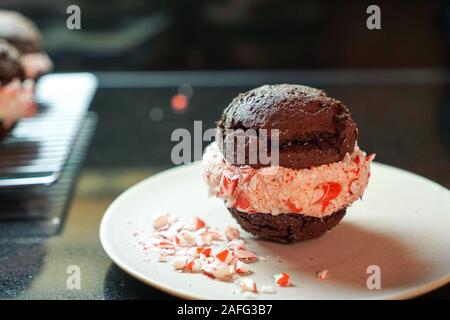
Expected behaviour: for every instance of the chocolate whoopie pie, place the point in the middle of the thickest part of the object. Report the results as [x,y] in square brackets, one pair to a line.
[23,34]
[320,169]
[20,31]
[10,68]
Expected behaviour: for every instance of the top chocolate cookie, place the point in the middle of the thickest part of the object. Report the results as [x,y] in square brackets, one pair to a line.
[314,129]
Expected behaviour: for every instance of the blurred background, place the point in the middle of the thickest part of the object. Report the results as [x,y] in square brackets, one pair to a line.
[241,34]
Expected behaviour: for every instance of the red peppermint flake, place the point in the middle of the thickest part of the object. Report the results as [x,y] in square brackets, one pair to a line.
[246,255]
[282,279]
[242,267]
[229,185]
[165,244]
[209,274]
[330,191]
[242,202]
[199,223]
[190,265]
[292,207]
[205,251]
[248,285]
[222,255]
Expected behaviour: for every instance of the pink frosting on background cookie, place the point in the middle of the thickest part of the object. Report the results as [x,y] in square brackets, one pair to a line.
[16,101]
[317,191]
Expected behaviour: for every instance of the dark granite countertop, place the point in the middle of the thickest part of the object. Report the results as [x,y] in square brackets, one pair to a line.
[403,116]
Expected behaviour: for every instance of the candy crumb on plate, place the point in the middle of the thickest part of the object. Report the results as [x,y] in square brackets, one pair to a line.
[322,275]
[194,247]
[160,221]
[282,279]
[248,285]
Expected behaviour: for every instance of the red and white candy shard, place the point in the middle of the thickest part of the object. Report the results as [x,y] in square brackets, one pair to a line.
[161,221]
[194,247]
[246,255]
[242,267]
[282,279]
[179,262]
[248,285]
[236,244]
[322,275]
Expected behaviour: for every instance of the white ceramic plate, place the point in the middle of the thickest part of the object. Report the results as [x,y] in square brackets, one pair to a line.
[402,226]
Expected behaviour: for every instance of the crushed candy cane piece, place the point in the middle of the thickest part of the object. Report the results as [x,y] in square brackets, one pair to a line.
[282,279]
[330,191]
[242,202]
[236,244]
[198,223]
[242,267]
[224,255]
[217,269]
[189,265]
[322,275]
[197,266]
[243,254]
[161,221]
[165,244]
[204,251]
[178,263]
[248,285]
[195,247]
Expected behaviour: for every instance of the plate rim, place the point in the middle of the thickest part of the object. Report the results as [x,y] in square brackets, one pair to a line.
[181,293]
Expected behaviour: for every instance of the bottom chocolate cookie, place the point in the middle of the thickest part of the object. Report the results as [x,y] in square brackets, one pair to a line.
[286,227]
